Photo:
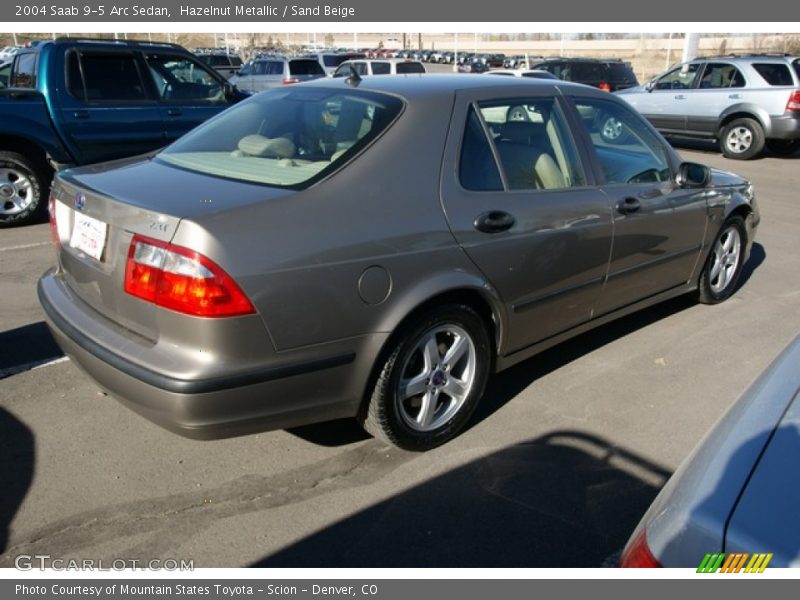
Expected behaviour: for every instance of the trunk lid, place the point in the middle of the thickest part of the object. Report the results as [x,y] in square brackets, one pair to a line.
[100,208]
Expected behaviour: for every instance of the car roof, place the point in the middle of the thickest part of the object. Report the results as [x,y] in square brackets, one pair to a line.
[426,84]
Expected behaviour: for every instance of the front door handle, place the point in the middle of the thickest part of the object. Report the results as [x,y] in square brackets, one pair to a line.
[680,97]
[81,114]
[494,221]
[628,205]
[174,112]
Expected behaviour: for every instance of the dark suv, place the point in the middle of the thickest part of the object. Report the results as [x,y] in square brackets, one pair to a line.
[610,75]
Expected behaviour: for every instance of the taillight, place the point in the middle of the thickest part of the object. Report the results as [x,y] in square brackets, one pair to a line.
[794,102]
[605,87]
[290,81]
[637,554]
[51,208]
[182,280]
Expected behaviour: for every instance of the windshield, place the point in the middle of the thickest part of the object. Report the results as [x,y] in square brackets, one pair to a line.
[285,138]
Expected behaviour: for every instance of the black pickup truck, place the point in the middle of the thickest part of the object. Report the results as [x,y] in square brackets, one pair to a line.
[80,101]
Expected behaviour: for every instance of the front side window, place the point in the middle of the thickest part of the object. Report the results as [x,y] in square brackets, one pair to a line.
[679,78]
[533,144]
[721,75]
[285,138]
[628,151]
[104,77]
[180,79]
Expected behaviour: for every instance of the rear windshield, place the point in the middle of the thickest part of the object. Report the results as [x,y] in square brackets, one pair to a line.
[285,138]
[334,60]
[305,67]
[410,67]
[774,73]
[621,72]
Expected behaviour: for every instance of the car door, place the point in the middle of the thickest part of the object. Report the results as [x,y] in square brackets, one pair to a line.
[663,101]
[659,226]
[107,110]
[521,205]
[719,86]
[188,92]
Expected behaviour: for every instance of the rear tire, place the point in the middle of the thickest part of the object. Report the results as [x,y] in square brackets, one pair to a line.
[431,380]
[24,184]
[724,263]
[742,139]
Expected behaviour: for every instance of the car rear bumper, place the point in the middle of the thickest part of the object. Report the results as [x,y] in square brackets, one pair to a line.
[299,389]
[786,127]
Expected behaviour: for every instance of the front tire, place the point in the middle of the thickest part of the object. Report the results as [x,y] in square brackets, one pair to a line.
[742,139]
[24,183]
[724,263]
[431,380]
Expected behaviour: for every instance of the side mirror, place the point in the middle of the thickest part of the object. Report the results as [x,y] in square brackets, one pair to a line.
[650,85]
[693,175]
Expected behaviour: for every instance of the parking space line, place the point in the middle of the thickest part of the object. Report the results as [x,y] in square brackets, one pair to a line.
[31,366]
[25,246]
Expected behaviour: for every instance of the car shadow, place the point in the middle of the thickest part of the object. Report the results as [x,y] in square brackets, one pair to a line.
[17,458]
[757,256]
[712,147]
[26,347]
[566,499]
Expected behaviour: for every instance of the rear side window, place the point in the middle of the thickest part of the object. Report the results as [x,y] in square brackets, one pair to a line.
[587,72]
[381,68]
[721,75]
[410,67]
[477,169]
[305,67]
[533,144]
[24,73]
[774,73]
[105,77]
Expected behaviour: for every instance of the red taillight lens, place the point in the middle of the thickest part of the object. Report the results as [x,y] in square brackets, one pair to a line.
[794,102]
[51,208]
[637,554]
[182,280]
[290,81]
[605,87]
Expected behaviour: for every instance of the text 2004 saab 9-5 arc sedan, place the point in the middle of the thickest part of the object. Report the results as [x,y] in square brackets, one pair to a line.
[376,248]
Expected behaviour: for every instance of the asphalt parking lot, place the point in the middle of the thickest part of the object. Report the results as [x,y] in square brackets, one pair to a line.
[560,462]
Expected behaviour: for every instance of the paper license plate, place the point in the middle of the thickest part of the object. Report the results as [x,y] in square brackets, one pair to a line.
[89,235]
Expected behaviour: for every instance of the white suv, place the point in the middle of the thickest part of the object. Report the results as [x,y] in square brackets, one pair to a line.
[380,66]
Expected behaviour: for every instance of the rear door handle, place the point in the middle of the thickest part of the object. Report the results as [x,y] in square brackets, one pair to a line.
[494,221]
[734,96]
[680,97]
[174,112]
[628,205]
[81,114]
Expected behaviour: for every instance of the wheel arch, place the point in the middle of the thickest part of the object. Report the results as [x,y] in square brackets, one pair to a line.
[743,111]
[450,288]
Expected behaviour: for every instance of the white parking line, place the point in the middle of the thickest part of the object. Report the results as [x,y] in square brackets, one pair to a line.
[25,246]
[31,366]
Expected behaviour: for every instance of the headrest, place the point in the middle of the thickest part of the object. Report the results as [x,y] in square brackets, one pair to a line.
[523,132]
[258,145]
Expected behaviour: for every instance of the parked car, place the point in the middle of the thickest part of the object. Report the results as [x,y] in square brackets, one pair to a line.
[735,493]
[384,66]
[474,66]
[331,60]
[530,73]
[230,282]
[57,110]
[605,74]
[8,52]
[745,102]
[225,64]
[266,73]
